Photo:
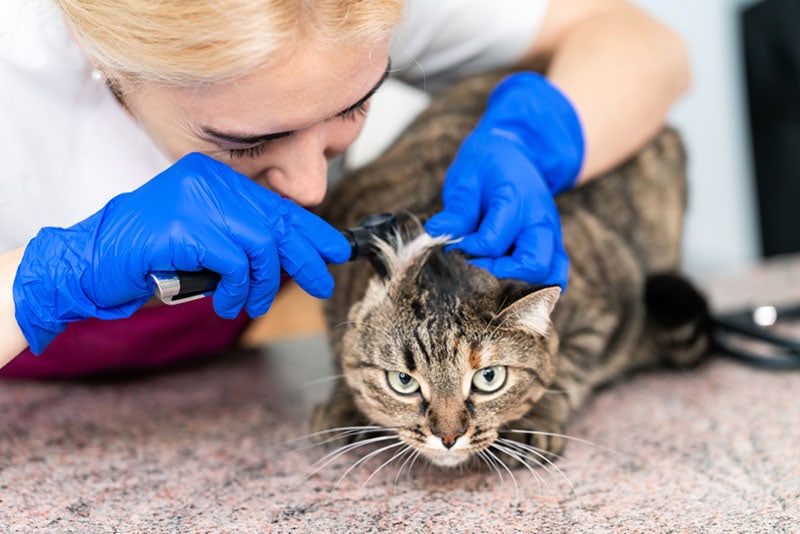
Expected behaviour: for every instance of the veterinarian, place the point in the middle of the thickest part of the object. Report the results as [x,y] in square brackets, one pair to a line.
[142,135]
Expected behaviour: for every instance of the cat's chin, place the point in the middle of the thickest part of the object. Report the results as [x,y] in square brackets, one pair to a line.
[447,459]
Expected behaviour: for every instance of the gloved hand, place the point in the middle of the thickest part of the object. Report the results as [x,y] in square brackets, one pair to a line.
[498,193]
[197,214]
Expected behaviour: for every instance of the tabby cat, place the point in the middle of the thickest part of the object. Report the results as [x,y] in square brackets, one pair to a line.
[459,364]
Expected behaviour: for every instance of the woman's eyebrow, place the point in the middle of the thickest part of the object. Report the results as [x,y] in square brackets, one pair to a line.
[244,139]
[369,93]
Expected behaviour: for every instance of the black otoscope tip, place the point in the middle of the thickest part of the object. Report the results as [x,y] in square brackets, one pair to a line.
[380,225]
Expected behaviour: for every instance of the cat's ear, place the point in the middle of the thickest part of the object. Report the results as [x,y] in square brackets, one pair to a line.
[530,310]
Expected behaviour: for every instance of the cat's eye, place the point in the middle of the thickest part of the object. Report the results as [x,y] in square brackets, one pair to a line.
[489,379]
[401,382]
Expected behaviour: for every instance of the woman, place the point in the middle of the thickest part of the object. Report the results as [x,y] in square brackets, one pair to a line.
[235,107]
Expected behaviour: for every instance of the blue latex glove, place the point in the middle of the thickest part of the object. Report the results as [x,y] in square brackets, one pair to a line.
[197,214]
[498,193]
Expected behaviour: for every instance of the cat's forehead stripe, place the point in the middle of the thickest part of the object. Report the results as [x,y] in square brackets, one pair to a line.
[474,358]
[421,344]
[408,354]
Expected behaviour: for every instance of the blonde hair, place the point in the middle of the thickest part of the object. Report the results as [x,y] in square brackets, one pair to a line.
[186,42]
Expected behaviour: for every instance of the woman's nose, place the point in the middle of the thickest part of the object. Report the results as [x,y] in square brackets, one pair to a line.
[305,183]
[298,167]
[298,170]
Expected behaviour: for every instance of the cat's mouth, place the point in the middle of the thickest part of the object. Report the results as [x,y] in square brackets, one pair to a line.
[457,453]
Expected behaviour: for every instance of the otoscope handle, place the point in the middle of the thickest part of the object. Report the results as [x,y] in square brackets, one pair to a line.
[174,287]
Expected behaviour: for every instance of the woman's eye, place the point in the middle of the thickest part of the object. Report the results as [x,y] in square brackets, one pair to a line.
[357,111]
[250,152]
[256,150]
[489,379]
[402,383]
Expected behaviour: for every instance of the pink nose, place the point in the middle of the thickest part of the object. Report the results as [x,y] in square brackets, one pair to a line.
[448,440]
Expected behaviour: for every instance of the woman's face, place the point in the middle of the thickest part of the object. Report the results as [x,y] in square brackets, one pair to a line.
[279,126]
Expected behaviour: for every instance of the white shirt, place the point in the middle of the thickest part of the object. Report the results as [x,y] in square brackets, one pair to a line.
[67,146]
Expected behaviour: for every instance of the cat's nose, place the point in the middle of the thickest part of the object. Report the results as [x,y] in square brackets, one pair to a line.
[449,438]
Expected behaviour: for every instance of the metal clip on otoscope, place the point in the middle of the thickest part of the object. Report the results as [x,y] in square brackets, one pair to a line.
[174,287]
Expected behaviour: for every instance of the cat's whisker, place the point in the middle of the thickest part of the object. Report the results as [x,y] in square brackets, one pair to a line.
[520,457]
[332,439]
[366,458]
[492,463]
[502,464]
[339,433]
[529,451]
[345,323]
[415,454]
[361,428]
[563,436]
[363,324]
[313,440]
[384,315]
[333,455]
[497,326]
[496,314]
[533,450]
[396,456]
[321,380]
[539,456]
[530,448]
[514,450]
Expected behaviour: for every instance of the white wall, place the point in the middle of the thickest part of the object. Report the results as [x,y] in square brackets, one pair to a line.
[722,226]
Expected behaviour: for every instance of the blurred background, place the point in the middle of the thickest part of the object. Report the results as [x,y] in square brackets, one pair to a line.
[722,231]
[742,194]
[738,121]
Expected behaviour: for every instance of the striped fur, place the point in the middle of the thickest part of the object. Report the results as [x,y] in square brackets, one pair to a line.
[439,320]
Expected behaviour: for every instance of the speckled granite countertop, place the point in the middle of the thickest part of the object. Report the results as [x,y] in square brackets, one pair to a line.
[211,449]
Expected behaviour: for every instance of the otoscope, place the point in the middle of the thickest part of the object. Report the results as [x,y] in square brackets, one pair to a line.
[174,287]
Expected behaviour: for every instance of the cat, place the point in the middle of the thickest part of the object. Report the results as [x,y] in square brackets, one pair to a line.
[458,364]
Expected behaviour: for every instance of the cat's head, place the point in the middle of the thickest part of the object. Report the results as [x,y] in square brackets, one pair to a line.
[444,353]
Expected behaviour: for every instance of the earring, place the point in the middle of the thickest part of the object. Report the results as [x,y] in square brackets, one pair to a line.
[98,77]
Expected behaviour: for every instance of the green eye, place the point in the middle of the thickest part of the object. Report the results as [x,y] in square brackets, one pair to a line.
[489,379]
[402,383]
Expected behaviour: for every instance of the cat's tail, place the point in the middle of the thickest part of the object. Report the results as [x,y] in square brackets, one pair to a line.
[678,317]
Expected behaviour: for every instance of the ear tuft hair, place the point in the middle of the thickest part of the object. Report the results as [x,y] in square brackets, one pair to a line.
[531,311]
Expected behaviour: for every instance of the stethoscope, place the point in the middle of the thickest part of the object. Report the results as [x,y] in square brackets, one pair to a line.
[749,336]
